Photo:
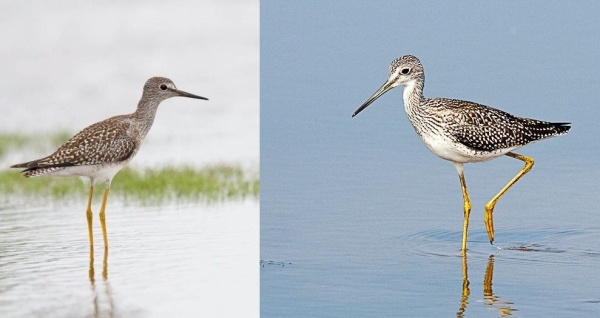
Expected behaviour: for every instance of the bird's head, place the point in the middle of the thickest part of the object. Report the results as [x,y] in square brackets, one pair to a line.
[405,71]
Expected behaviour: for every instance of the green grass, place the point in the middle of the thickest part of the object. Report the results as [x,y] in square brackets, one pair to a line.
[213,183]
[209,184]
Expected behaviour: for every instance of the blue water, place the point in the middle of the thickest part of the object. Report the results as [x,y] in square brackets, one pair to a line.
[359,219]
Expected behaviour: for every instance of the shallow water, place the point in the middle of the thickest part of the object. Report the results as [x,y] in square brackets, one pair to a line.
[186,260]
[377,245]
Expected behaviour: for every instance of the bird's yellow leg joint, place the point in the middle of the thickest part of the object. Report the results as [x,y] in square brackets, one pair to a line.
[467,211]
[103,217]
[88,213]
[489,207]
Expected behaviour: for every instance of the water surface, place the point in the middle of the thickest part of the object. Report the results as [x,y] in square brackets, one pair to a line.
[186,260]
[359,219]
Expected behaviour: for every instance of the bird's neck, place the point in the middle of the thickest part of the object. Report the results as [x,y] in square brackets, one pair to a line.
[145,113]
[413,94]
[146,110]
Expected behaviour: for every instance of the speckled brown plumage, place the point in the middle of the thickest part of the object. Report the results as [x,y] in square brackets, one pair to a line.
[108,141]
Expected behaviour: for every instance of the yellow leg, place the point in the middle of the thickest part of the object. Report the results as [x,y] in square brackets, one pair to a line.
[88,213]
[489,207]
[103,218]
[467,211]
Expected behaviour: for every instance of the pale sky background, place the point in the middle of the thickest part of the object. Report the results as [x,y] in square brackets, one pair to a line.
[66,65]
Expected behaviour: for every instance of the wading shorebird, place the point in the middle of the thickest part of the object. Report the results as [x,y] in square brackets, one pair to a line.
[99,151]
[461,131]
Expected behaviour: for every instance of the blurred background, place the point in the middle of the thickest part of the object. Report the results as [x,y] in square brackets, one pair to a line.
[66,65]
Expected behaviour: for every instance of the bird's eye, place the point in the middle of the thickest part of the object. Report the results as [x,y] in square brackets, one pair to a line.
[163,87]
[405,71]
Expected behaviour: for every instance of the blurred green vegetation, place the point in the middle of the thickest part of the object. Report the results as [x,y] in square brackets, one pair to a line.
[10,140]
[208,184]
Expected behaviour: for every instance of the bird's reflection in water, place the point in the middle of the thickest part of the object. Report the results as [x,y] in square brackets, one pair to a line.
[104,309]
[490,299]
[504,307]
[464,299]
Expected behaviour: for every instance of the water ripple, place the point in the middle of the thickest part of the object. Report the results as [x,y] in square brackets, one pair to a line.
[564,246]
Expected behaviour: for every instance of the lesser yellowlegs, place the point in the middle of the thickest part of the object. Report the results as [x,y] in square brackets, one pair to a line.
[461,131]
[99,151]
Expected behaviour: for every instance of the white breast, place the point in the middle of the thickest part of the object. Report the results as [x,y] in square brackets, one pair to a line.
[444,147]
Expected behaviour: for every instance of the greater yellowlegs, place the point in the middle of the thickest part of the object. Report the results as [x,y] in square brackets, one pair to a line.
[461,131]
[99,151]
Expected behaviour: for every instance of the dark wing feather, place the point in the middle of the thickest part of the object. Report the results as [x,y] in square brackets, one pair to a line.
[484,128]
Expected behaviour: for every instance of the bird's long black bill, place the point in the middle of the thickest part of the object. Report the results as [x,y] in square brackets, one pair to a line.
[382,90]
[186,94]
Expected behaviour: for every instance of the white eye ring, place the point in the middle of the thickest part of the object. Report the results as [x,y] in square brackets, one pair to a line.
[163,87]
[405,70]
